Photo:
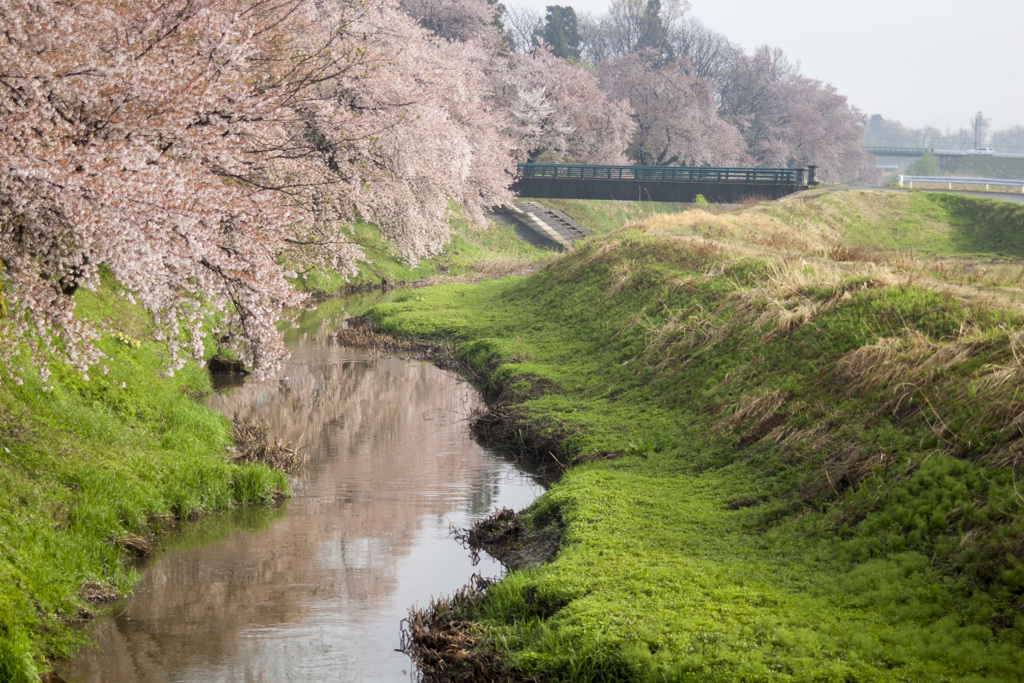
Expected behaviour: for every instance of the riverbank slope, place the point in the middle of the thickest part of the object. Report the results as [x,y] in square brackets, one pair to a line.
[94,467]
[794,438]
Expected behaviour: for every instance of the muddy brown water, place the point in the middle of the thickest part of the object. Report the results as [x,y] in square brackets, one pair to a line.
[316,592]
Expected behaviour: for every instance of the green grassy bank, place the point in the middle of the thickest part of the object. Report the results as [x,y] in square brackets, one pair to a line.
[796,444]
[92,467]
[474,252]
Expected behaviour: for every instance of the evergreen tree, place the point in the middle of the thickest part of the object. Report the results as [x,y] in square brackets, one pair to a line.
[652,34]
[561,32]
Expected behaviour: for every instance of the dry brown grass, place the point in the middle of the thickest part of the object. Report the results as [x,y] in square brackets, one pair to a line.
[917,378]
[681,339]
[138,546]
[815,439]
[811,271]
[96,593]
[753,408]
[448,647]
[591,254]
[733,230]
[619,278]
[802,262]
[849,464]
[796,291]
[255,445]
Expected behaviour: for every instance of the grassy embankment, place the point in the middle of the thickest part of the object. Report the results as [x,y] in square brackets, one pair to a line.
[796,453]
[92,468]
[475,252]
[602,216]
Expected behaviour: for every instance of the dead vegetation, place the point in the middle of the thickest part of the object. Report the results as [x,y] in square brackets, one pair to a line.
[254,444]
[443,639]
[222,365]
[794,292]
[503,536]
[448,647]
[362,334]
[96,593]
[737,232]
[797,291]
[753,408]
[138,546]
[534,443]
[810,271]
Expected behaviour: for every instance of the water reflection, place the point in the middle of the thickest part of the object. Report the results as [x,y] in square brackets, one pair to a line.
[319,594]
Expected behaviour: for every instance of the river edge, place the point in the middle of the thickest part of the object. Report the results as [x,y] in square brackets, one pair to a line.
[440,638]
[437,451]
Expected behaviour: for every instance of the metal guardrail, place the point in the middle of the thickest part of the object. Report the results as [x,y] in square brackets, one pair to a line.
[686,174]
[950,182]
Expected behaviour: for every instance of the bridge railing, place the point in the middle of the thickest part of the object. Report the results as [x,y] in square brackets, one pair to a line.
[686,174]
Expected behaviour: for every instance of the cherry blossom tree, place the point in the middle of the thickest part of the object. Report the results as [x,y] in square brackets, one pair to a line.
[815,125]
[557,111]
[459,20]
[551,109]
[789,120]
[192,146]
[676,114]
[440,138]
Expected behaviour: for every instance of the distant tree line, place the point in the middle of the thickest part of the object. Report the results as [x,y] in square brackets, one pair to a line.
[978,133]
[694,97]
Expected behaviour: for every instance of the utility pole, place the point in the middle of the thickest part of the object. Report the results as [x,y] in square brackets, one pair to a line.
[979,126]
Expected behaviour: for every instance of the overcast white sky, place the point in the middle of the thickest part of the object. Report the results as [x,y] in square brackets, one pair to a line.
[921,62]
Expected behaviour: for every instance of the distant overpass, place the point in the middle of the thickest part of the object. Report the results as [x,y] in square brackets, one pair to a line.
[914,152]
[895,157]
[658,183]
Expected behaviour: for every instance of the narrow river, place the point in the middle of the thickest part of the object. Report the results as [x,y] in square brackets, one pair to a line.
[316,592]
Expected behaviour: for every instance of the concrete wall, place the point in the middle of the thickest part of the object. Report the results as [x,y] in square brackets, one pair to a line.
[645,190]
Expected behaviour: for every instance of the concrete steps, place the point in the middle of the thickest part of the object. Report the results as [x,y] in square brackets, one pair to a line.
[541,226]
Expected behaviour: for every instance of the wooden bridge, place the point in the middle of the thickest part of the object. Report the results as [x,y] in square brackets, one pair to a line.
[658,183]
